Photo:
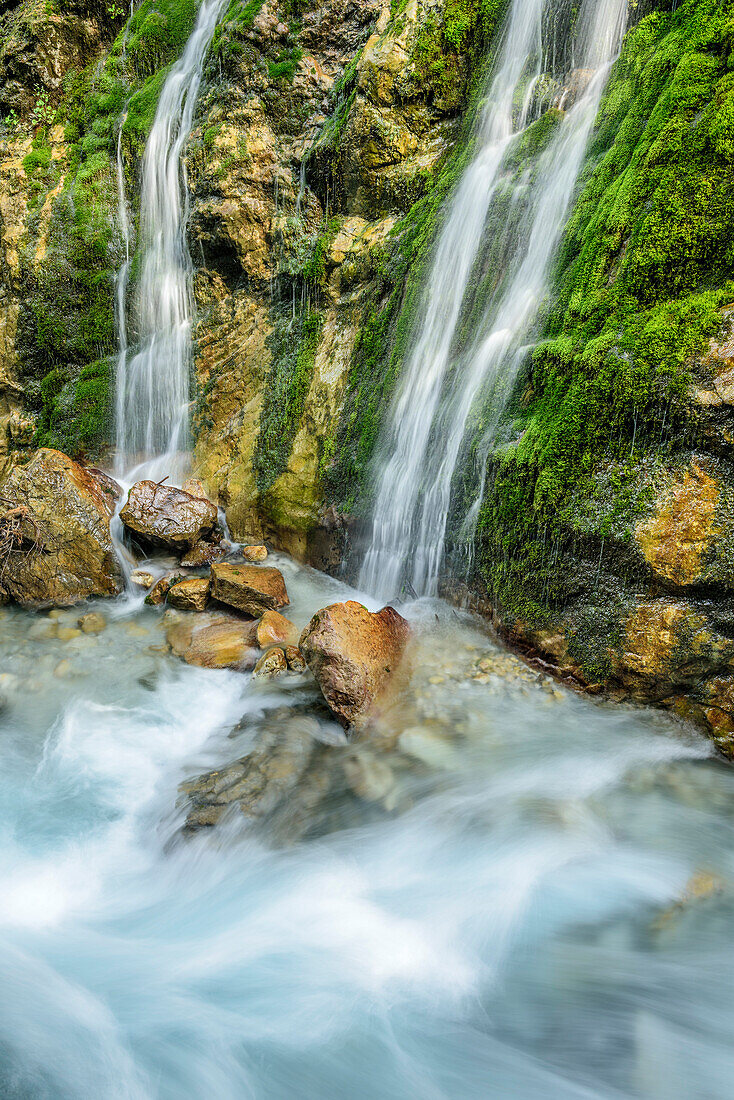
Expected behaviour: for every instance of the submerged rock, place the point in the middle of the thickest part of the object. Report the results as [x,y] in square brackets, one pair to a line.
[55,528]
[93,623]
[213,641]
[353,652]
[249,588]
[163,516]
[191,594]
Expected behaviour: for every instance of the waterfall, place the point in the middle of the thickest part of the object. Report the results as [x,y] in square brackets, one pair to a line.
[153,381]
[428,417]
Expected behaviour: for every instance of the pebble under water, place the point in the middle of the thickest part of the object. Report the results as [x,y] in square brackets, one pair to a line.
[514,892]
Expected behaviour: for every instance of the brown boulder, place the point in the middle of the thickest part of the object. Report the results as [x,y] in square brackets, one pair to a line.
[191,594]
[353,652]
[275,629]
[295,659]
[213,641]
[250,588]
[55,542]
[159,591]
[163,516]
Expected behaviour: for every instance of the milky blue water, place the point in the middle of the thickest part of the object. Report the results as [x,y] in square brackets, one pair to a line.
[530,898]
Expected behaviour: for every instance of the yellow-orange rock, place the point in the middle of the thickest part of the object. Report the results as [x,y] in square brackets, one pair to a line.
[191,594]
[275,629]
[353,652]
[63,550]
[254,553]
[676,536]
[249,588]
[213,641]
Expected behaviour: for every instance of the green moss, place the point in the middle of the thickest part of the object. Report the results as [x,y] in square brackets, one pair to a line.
[293,344]
[449,45]
[645,266]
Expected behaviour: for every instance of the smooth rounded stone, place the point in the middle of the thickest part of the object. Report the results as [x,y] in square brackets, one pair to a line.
[213,641]
[137,631]
[162,515]
[65,670]
[204,553]
[295,659]
[249,588]
[275,629]
[9,681]
[42,631]
[63,550]
[159,649]
[92,623]
[371,779]
[57,613]
[68,633]
[142,579]
[254,553]
[271,663]
[428,747]
[353,653]
[191,594]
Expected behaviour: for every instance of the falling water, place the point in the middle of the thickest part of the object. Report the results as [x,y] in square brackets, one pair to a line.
[428,418]
[153,381]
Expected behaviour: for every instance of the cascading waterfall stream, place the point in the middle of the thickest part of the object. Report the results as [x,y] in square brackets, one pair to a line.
[153,380]
[428,419]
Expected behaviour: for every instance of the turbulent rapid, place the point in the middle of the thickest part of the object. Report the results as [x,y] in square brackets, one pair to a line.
[513,892]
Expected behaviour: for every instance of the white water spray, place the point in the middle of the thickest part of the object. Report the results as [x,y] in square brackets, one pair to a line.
[428,419]
[153,381]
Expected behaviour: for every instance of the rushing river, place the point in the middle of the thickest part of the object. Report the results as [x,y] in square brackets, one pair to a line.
[517,892]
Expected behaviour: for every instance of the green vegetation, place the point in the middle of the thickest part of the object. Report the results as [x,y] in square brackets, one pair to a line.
[451,44]
[293,344]
[646,263]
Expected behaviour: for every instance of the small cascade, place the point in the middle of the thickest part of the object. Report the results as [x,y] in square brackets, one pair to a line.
[153,375]
[440,386]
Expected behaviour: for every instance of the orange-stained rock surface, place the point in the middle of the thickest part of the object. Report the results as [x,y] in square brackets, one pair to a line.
[353,652]
[249,588]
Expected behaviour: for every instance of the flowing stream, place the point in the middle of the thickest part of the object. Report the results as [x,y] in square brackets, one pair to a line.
[515,892]
[506,891]
[439,385]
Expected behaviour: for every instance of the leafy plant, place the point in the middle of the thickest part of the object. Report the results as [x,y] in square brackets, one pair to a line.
[43,113]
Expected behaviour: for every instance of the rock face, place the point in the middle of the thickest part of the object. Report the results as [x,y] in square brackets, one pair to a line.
[62,551]
[249,588]
[353,652]
[162,516]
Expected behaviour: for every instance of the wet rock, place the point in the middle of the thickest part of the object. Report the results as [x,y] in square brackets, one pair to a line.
[111,489]
[58,520]
[249,588]
[141,579]
[159,591]
[371,779]
[275,629]
[271,663]
[214,641]
[295,659]
[676,538]
[257,783]
[191,594]
[353,653]
[254,553]
[204,553]
[92,623]
[163,516]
